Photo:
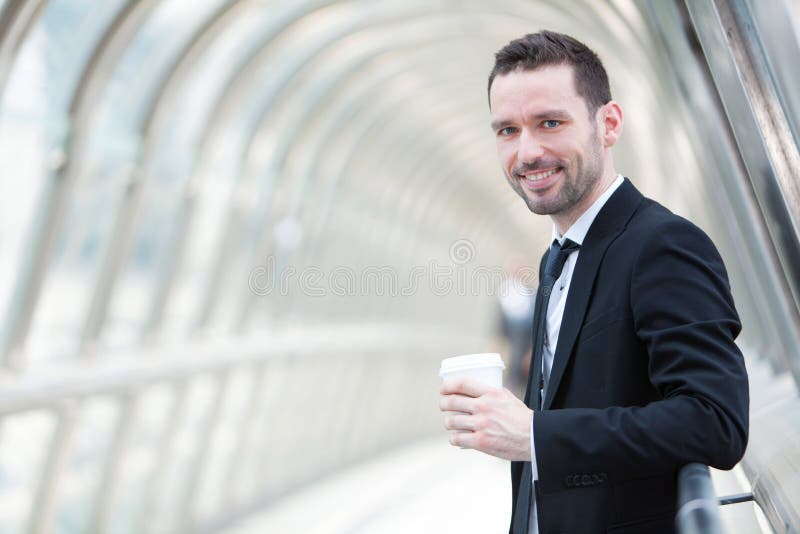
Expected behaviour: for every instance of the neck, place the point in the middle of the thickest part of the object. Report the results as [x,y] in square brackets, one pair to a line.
[565,220]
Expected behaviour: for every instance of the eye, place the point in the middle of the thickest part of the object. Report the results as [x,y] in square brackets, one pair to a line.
[551,123]
[505,132]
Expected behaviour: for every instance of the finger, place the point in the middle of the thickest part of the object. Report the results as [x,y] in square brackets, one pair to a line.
[456,403]
[464,386]
[465,440]
[460,422]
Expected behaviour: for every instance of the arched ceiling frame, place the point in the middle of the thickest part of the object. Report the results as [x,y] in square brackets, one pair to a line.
[385,160]
[317,94]
[122,235]
[328,126]
[16,21]
[159,112]
[401,246]
[309,110]
[444,226]
[268,181]
[236,108]
[425,151]
[259,254]
[172,87]
[58,191]
[304,176]
[412,250]
[414,171]
[426,173]
[210,129]
[354,237]
[141,8]
[234,87]
[384,156]
[391,101]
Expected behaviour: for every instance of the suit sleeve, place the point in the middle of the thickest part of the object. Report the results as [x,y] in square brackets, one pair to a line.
[683,314]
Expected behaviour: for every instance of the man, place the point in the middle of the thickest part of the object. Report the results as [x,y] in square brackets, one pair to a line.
[635,372]
[514,321]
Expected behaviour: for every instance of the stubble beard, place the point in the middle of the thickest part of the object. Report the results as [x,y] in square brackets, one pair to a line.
[576,185]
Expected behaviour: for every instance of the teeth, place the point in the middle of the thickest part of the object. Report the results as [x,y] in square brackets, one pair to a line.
[540,176]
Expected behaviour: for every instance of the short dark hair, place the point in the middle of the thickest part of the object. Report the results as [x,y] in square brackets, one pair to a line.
[546,48]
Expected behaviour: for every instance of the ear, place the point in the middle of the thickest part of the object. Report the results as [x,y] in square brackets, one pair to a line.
[610,122]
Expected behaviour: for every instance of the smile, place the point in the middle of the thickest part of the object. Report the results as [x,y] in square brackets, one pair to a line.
[540,179]
[536,177]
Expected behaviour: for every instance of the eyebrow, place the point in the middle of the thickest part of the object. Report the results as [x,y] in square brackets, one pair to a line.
[499,125]
[550,114]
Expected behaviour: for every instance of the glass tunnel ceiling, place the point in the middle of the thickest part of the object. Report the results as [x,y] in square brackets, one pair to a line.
[239,109]
[362,123]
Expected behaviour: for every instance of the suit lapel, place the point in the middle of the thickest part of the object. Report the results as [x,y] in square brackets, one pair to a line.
[608,224]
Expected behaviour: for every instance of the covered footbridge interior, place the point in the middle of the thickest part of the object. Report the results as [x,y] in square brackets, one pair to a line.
[238,236]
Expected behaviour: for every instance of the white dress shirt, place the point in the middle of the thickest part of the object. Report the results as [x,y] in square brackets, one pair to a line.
[555,312]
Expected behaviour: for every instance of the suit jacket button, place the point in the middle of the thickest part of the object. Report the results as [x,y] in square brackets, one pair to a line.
[586,480]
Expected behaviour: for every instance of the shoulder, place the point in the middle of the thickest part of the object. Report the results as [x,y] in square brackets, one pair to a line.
[654,227]
[653,218]
[670,253]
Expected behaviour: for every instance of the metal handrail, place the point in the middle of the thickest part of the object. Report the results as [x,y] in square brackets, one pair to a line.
[318,374]
[698,507]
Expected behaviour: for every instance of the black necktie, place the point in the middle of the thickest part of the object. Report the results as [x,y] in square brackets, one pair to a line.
[556,258]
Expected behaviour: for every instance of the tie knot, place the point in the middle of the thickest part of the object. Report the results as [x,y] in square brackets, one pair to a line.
[556,259]
[567,246]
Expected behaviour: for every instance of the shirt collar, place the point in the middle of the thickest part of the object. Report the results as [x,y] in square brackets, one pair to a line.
[577,232]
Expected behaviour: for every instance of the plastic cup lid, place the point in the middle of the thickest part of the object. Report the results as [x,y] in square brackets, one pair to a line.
[471,361]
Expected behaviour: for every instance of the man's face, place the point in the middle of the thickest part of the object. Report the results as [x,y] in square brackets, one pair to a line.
[550,150]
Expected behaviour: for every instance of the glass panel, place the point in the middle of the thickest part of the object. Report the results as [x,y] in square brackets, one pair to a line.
[73,29]
[249,479]
[24,446]
[186,444]
[202,91]
[223,446]
[120,115]
[24,145]
[237,283]
[84,468]
[32,135]
[141,460]
[146,62]
[87,226]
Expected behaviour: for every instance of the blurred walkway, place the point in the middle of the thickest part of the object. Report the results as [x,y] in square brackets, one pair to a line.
[428,487]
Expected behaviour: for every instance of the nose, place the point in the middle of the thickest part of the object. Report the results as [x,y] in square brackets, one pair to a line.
[530,148]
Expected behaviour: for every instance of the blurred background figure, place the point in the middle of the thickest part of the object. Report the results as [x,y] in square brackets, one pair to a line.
[515,325]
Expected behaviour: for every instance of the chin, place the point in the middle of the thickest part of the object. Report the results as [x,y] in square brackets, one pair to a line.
[540,207]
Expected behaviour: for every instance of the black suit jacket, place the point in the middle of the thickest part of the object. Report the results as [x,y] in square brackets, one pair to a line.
[646,376]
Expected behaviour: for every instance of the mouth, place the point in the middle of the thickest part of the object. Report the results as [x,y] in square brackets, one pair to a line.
[540,180]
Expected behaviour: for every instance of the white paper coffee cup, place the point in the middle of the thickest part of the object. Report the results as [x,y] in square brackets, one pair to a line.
[486,367]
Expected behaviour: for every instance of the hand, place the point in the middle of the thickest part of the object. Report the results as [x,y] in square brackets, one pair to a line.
[493,421]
